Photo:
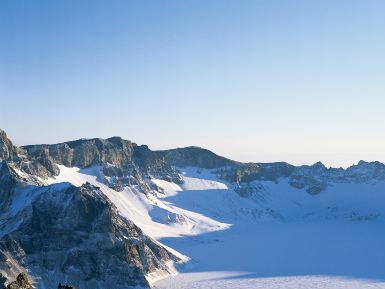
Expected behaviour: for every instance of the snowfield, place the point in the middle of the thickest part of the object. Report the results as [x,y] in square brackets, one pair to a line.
[283,256]
[224,280]
[155,216]
[281,237]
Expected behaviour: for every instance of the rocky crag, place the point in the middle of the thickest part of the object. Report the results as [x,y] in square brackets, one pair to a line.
[63,232]
[21,282]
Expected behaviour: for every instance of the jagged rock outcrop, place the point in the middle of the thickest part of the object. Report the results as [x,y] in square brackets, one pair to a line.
[312,178]
[8,151]
[83,153]
[78,234]
[125,162]
[75,232]
[40,167]
[8,180]
[3,281]
[65,286]
[21,282]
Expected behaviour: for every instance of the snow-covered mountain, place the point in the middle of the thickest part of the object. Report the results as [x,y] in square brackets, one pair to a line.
[97,213]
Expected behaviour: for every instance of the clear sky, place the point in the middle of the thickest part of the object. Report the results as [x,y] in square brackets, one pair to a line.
[298,81]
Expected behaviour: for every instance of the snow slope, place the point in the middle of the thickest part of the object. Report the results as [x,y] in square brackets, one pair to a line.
[155,216]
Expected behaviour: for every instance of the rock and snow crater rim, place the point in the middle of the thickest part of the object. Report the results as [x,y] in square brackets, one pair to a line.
[195,218]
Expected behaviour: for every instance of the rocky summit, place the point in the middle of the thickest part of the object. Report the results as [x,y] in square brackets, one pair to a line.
[21,282]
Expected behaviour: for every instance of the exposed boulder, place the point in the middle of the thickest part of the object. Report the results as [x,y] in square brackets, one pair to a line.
[3,281]
[21,282]
[65,286]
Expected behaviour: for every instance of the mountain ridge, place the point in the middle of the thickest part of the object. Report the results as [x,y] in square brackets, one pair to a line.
[163,151]
[128,163]
[114,185]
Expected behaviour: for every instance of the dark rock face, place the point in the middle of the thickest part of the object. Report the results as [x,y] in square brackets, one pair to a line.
[314,178]
[77,233]
[3,281]
[249,172]
[84,153]
[65,286]
[9,152]
[122,160]
[195,157]
[8,180]
[21,282]
[20,158]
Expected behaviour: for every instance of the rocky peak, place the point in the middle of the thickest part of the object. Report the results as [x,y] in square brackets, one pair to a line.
[366,171]
[319,166]
[311,170]
[21,282]
[19,158]
[365,164]
[8,151]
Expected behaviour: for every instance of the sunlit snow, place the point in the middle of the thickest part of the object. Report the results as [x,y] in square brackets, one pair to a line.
[281,237]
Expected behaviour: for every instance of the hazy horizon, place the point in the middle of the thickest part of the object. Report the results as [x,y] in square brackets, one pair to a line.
[258,81]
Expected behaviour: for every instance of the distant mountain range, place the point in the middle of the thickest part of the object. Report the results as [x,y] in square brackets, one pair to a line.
[91,212]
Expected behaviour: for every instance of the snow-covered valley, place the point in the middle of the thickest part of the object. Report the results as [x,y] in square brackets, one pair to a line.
[280,238]
[283,256]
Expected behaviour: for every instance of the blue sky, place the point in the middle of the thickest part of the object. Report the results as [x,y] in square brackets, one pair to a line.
[298,81]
